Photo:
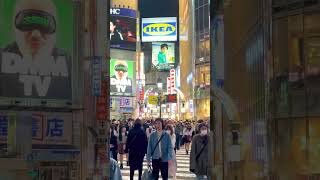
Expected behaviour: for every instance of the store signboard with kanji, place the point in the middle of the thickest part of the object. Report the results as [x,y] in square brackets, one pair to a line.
[46,128]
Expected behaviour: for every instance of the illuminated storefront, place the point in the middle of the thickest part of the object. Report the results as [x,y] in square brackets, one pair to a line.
[202,60]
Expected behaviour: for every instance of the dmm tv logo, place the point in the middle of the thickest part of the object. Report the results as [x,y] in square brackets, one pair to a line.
[159,29]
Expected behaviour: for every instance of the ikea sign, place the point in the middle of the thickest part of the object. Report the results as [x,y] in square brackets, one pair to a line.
[159,29]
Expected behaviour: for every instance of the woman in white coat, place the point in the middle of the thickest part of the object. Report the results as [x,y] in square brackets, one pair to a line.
[173,162]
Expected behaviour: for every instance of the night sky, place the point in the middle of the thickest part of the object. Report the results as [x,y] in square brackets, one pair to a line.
[159,8]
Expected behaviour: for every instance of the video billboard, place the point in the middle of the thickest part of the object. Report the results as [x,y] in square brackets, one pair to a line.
[36,49]
[123,26]
[122,77]
[159,29]
[163,56]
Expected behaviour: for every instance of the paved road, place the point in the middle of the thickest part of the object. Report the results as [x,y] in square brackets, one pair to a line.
[182,173]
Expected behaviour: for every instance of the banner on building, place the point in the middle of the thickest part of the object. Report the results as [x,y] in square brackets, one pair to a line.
[153,100]
[163,56]
[159,29]
[101,104]
[122,77]
[123,24]
[37,67]
[121,102]
[96,74]
[47,128]
[171,82]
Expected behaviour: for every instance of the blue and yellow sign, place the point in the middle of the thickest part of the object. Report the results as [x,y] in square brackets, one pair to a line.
[159,29]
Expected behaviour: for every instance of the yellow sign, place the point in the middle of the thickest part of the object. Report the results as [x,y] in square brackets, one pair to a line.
[153,100]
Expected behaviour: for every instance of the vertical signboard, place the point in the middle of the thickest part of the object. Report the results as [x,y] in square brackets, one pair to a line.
[172,81]
[96,67]
[101,105]
[36,49]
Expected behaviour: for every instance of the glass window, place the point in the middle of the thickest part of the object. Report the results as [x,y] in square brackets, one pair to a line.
[296,73]
[280,81]
[312,62]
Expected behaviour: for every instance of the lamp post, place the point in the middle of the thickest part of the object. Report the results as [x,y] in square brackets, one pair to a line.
[159,84]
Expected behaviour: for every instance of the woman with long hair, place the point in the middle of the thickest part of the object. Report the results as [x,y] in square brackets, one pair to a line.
[122,143]
[187,137]
[172,163]
[113,145]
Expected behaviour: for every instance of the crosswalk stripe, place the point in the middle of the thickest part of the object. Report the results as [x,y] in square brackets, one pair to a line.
[183,172]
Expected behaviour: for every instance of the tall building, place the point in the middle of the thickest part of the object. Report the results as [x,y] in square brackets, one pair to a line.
[294,89]
[271,52]
[240,30]
[201,63]
[186,75]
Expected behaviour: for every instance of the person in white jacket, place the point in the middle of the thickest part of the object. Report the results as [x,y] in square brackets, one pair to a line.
[173,162]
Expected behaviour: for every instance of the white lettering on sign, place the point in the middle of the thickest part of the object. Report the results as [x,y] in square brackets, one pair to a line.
[115,11]
[121,85]
[37,73]
[168,85]
[172,80]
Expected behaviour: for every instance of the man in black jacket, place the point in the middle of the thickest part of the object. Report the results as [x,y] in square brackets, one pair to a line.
[136,147]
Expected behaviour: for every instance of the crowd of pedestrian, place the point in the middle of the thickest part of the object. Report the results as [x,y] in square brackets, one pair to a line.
[158,140]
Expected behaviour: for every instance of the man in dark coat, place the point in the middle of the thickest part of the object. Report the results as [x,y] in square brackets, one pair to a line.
[136,147]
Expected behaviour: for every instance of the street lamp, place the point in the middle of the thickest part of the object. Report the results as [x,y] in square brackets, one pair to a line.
[159,84]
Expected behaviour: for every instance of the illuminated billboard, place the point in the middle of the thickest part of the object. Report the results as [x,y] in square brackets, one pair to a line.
[123,24]
[163,56]
[36,49]
[159,29]
[122,77]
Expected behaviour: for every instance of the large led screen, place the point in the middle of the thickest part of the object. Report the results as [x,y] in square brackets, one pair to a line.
[163,56]
[159,29]
[36,49]
[122,77]
[123,26]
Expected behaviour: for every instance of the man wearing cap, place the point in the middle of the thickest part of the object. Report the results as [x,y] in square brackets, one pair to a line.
[120,82]
[33,64]
[199,153]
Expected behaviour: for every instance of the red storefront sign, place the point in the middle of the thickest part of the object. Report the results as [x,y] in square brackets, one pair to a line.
[101,105]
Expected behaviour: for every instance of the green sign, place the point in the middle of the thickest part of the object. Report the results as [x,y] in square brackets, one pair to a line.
[36,49]
[122,77]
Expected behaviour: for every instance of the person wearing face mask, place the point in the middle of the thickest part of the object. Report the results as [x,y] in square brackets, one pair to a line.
[199,153]
[172,163]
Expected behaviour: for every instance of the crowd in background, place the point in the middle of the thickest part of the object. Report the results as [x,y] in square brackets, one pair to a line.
[158,140]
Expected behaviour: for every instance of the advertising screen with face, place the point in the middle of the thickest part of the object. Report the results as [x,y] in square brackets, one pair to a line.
[122,77]
[163,57]
[123,28]
[36,49]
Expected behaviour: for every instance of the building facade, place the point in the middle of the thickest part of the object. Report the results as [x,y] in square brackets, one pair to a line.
[271,53]
[294,90]
[240,31]
[201,81]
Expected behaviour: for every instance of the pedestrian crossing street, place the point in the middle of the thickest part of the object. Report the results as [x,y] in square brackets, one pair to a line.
[183,172]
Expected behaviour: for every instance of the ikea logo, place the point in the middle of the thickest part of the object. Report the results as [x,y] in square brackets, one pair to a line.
[159,29]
